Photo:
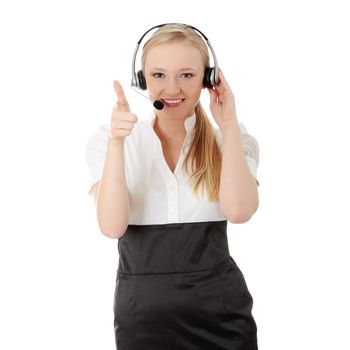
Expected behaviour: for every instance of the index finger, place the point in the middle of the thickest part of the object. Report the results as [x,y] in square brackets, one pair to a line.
[121,96]
[222,77]
[223,84]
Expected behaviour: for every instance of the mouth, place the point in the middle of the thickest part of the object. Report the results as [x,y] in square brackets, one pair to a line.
[173,102]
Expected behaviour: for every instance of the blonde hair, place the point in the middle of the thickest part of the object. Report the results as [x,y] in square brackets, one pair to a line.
[204,152]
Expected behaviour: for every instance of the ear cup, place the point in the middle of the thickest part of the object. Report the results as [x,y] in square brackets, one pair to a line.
[209,75]
[141,80]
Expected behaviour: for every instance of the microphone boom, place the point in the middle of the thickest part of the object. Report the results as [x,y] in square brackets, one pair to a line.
[158,104]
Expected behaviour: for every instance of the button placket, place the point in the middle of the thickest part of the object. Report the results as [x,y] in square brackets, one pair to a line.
[173,200]
[170,178]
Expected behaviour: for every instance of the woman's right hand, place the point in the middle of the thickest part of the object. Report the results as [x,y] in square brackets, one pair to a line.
[122,121]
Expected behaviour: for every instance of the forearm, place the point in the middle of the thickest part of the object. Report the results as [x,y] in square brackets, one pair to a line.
[113,200]
[238,192]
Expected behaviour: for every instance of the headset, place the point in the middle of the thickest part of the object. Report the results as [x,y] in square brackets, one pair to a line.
[211,74]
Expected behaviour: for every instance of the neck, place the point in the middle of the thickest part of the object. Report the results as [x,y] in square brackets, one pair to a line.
[170,131]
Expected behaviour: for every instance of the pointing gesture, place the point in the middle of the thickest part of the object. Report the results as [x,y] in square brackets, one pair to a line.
[122,121]
[122,102]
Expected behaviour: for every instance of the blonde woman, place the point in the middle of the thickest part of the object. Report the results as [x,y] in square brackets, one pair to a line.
[165,187]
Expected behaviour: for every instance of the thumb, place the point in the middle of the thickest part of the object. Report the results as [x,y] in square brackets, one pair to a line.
[122,102]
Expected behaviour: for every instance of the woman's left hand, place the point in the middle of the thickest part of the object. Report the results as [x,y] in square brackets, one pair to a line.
[222,102]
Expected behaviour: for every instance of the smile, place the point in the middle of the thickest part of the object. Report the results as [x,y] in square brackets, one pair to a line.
[173,103]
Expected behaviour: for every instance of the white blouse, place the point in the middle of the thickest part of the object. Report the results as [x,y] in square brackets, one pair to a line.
[156,195]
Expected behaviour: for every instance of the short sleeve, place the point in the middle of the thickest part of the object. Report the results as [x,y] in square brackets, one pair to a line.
[95,153]
[250,148]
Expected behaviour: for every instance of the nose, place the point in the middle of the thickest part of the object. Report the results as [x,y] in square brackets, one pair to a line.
[172,87]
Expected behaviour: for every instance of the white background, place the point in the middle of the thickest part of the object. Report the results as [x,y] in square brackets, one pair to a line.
[287,63]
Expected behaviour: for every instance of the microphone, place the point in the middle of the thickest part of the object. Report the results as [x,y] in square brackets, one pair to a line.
[158,104]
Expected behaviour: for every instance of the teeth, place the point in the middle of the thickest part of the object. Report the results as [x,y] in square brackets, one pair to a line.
[172,101]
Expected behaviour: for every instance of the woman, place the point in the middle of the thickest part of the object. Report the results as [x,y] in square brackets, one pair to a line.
[165,187]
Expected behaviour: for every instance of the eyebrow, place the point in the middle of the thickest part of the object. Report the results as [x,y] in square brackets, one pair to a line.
[161,69]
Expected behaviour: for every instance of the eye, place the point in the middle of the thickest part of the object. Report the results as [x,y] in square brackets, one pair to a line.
[189,75]
[157,75]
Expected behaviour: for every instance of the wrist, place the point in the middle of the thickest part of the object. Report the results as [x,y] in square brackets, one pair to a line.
[115,141]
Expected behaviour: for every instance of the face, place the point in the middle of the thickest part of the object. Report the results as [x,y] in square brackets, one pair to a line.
[174,74]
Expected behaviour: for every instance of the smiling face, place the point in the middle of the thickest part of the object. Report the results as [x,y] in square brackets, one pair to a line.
[174,74]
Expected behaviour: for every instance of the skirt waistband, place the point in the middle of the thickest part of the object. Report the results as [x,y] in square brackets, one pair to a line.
[174,248]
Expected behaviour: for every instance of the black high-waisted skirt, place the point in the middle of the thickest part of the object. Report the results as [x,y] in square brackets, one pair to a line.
[177,288]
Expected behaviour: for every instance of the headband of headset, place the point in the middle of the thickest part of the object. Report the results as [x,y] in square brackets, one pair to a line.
[211,75]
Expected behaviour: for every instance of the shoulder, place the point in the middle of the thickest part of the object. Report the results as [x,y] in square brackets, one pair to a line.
[98,140]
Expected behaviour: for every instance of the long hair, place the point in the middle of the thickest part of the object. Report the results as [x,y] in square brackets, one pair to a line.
[204,152]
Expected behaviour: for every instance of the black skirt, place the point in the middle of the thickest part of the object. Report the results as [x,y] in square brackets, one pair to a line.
[178,288]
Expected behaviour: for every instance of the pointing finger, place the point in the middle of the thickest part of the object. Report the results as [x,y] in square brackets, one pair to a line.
[122,102]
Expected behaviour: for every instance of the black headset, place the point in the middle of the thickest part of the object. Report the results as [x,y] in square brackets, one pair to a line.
[211,74]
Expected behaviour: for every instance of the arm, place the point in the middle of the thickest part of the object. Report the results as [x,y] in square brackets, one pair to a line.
[112,199]
[238,192]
